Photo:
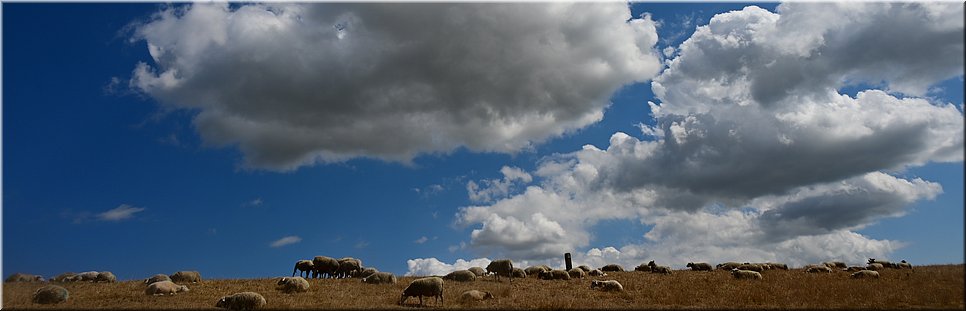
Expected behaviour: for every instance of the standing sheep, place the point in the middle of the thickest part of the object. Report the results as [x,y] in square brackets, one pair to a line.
[242,301]
[503,267]
[751,267]
[324,267]
[865,274]
[21,277]
[186,277]
[607,286]
[380,278]
[105,276]
[535,270]
[365,272]
[164,288]
[731,265]
[853,269]
[347,266]
[576,273]
[612,268]
[50,294]
[776,265]
[461,276]
[519,273]
[745,274]
[296,284]
[885,264]
[430,286]
[477,270]
[475,295]
[554,275]
[699,266]
[875,266]
[303,267]
[157,278]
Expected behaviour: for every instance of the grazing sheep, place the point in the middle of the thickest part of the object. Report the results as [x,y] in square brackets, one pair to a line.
[885,264]
[750,267]
[164,288]
[519,273]
[348,266]
[157,278]
[865,274]
[554,275]
[535,270]
[875,266]
[186,277]
[503,267]
[904,265]
[21,277]
[475,295]
[853,269]
[105,276]
[461,276]
[818,269]
[775,265]
[303,267]
[661,269]
[63,277]
[296,284]
[242,301]
[324,267]
[731,265]
[745,274]
[612,268]
[430,286]
[586,268]
[643,268]
[380,278]
[607,286]
[50,294]
[477,270]
[576,273]
[835,264]
[596,272]
[364,272]
[699,266]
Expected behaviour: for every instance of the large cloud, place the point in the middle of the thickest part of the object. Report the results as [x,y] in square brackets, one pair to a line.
[731,173]
[293,84]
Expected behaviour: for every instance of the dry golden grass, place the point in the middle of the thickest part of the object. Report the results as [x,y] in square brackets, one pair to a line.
[929,287]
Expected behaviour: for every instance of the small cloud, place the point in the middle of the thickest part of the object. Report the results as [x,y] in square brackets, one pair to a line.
[430,190]
[421,240]
[122,212]
[171,139]
[253,203]
[212,231]
[362,244]
[454,248]
[292,239]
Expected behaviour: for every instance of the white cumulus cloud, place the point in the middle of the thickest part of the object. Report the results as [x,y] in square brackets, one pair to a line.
[292,239]
[122,212]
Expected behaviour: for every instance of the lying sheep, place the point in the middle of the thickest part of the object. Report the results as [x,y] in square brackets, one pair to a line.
[875,266]
[863,274]
[885,264]
[475,295]
[365,272]
[607,286]
[164,288]
[643,268]
[745,274]
[904,265]
[50,294]
[853,269]
[818,269]
[242,301]
[596,272]
[303,267]
[461,276]
[731,265]
[324,267]
[157,278]
[554,275]
[586,268]
[751,267]
[835,264]
[477,270]
[430,286]
[612,268]
[776,265]
[63,277]
[699,266]
[186,277]
[105,276]
[661,269]
[295,284]
[21,277]
[348,266]
[519,273]
[380,278]
[500,268]
[88,276]
[576,273]
[535,270]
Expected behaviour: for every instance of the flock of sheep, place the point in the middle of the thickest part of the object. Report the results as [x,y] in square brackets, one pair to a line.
[327,267]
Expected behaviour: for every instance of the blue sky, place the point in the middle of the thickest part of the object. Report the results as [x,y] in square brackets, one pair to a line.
[201,156]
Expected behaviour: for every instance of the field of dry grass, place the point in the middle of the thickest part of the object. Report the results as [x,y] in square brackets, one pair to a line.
[928,287]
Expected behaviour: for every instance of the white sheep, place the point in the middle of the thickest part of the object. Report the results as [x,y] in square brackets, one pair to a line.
[157,278]
[904,265]
[745,274]
[607,286]
[875,266]
[365,272]
[596,272]
[776,265]
[50,294]
[303,267]
[296,284]
[461,276]
[554,275]
[835,264]
[519,273]
[64,277]
[818,269]
[731,265]
[535,270]
[242,301]
[164,288]
[477,270]
[751,267]
[612,268]
[576,273]
[429,286]
[380,278]
[84,277]
[586,268]
[699,266]
[475,295]
[105,276]
[186,277]
[865,274]
[21,277]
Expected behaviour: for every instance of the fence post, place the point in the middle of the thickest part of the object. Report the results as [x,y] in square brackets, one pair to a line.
[567,261]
